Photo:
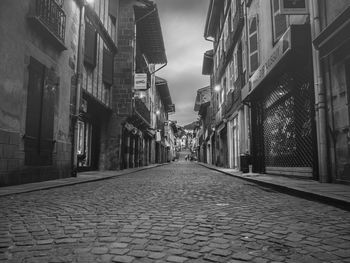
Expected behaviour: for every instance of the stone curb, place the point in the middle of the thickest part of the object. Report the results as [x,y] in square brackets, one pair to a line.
[295,191]
[79,180]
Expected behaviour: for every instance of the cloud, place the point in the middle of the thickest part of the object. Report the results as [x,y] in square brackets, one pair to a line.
[183,24]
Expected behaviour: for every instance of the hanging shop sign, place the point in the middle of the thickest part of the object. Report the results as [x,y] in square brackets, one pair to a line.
[294,7]
[140,81]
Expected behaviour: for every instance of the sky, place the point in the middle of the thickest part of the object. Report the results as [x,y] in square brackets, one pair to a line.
[182,23]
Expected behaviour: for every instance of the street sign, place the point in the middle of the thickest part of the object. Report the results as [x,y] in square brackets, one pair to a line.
[140,81]
[294,7]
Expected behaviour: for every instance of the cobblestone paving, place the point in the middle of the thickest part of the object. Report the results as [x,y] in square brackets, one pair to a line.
[175,213]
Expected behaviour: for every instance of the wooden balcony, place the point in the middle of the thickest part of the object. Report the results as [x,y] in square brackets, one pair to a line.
[142,112]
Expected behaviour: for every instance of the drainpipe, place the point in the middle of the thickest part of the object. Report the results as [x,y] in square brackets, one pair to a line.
[78,73]
[320,97]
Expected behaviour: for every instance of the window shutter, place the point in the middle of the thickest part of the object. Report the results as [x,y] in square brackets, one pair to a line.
[253,44]
[40,115]
[47,116]
[34,97]
[107,70]
[113,8]
[90,45]
[244,53]
[236,63]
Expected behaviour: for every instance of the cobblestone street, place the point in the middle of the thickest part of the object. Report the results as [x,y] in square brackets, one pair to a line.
[180,212]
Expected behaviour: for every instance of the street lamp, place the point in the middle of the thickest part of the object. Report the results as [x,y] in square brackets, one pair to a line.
[217,88]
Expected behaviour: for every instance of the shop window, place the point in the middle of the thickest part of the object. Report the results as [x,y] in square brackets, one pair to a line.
[253,43]
[40,115]
[90,50]
[279,21]
[84,144]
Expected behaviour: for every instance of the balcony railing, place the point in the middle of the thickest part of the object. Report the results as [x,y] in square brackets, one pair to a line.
[142,111]
[52,16]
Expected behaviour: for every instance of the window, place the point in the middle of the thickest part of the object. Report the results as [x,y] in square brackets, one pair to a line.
[107,94]
[107,70]
[279,22]
[244,53]
[232,75]
[253,44]
[90,45]
[113,14]
[40,114]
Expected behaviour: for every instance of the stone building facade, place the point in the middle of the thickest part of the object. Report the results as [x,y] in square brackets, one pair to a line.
[331,41]
[38,49]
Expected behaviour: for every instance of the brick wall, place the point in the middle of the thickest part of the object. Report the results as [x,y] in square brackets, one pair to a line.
[122,90]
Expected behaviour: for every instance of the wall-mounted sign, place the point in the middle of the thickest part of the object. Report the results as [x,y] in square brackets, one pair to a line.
[140,81]
[279,51]
[294,7]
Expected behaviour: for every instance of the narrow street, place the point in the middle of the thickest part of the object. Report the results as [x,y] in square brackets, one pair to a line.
[181,212]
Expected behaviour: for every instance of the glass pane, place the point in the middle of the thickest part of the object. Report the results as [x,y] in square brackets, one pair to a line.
[254,62]
[280,25]
[253,43]
[252,25]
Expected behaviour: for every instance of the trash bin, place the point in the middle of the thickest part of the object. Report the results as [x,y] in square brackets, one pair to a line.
[245,161]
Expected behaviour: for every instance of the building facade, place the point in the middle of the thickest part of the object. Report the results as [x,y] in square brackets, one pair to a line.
[92,114]
[227,66]
[331,31]
[292,115]
[39,42]
[138,110]
[69,100]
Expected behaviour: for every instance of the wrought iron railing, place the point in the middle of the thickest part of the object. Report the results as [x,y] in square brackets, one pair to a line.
[142,110]
[53,16]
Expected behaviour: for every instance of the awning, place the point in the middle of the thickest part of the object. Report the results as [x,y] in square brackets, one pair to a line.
[334,35]
[149,35]
[163,89]
[290,52]
[207,68]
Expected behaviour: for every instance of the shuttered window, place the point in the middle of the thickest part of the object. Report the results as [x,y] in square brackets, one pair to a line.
[40,115]
[253,44]
[90,45]
[107,71]
[279,22]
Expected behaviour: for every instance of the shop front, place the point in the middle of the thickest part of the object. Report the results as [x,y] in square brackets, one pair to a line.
[281,97]
[90,125]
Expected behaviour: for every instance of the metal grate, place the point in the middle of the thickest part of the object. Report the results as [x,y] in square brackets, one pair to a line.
[287,123]
[53,16]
